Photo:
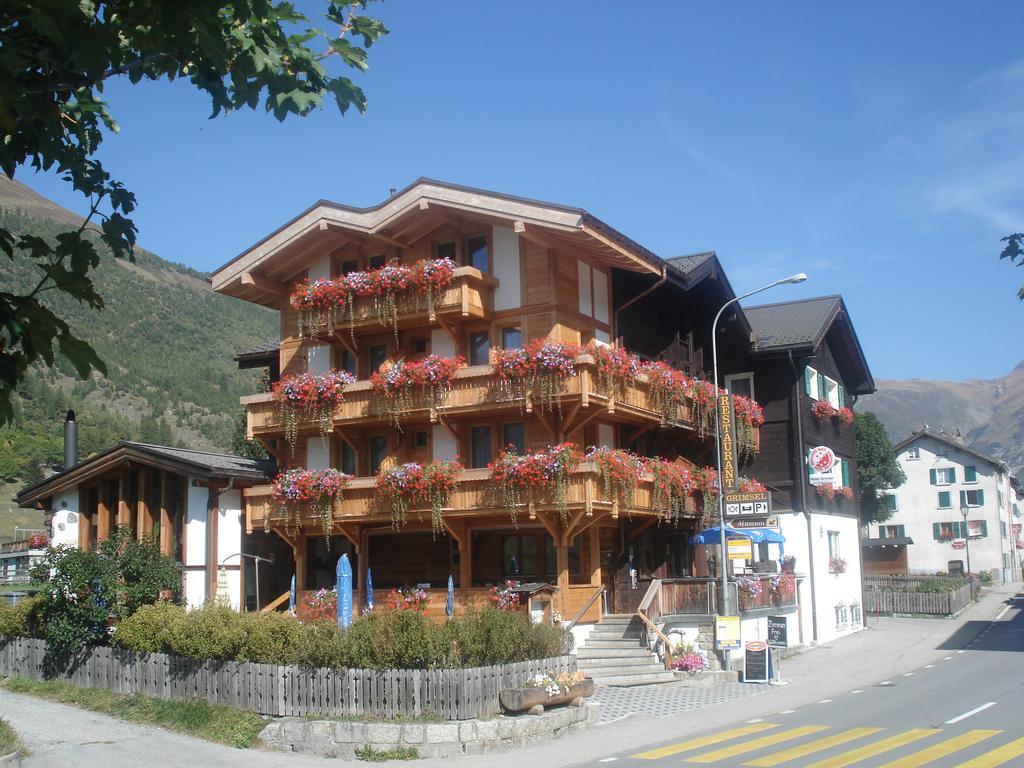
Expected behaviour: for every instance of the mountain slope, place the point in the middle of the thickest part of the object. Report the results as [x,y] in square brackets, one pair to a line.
[167,339]
[988,413]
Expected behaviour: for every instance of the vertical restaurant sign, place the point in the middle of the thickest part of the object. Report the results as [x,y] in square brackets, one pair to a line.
[727,436]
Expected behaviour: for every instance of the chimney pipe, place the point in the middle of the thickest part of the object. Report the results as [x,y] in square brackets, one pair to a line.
[70,441]
[393,192]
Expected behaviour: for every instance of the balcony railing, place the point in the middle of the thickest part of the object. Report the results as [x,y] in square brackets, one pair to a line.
[476,495]
[476,388]
[470,296]
[765,591]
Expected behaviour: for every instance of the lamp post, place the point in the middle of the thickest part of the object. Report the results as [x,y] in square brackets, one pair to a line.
[792,279]
[257,559]
[964,510]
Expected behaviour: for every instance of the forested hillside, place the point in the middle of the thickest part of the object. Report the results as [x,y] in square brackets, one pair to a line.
[168,342]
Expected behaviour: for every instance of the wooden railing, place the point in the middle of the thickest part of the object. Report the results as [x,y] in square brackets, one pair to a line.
[476,388]
[649,613]
[765,591]
[582,613]
[476,495]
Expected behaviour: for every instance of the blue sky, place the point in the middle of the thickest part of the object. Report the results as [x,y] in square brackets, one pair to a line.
[875,146]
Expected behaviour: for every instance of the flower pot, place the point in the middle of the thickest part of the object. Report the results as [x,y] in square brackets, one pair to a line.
[522,699]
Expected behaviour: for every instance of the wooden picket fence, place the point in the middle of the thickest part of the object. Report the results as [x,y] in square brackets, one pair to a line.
[888,601]
[269,689]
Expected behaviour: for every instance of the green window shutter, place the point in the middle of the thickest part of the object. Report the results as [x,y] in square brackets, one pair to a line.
[984,527]
[842,396]
[901,530]
[981,497]
[936,530]
[821,387]
[952,475]
[807,380]
[963,498]
[958,528]
[944,500]
[970,475]
[931,477]
[845,466]
[883,532]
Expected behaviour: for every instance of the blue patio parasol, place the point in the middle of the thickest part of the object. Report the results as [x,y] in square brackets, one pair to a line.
[714,535]
[449,603]
[369,590]
[344,584]
[291,597]
[765,536]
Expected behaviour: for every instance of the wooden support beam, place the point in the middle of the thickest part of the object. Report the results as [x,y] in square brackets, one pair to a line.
[166,505]
[565,426]
[212,531]
[353,537]
[636,434]
[124,514]
[594,540]
[642,527]
[543,419]
[345,435]
[562,569]
[531,233]
[264,284]
[569,532]
[466,564]
[455,337]
[105,513]
[143,519]
[550,525]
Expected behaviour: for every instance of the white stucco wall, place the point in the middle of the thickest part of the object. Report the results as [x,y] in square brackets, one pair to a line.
[441,343]
[318,454]
[195,545]
[506,268]
[917,502]
[229,541]
[444,446]
[64,526]
[602,302]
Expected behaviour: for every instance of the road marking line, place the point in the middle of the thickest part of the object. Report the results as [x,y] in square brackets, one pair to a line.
[908,674]
[607,759]
[929,666]
[814,746]
[856,755]
[1002,613]
[756,720]
[886,682]
[974,711]
[997,756]
[704,741]
[752,746]
[825,701]
[961,650]
[943,748]
[946,658]
[787,712]
[859,690]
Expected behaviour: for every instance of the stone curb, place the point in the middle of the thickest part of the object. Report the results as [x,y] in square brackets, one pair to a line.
[330,738]
[12,760]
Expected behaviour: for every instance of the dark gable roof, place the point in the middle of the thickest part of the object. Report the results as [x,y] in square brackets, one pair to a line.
[261,355]
[793,323]
[688,264]
[202,464]
[942,437]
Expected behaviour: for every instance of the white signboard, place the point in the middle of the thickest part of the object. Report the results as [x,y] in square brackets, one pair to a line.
[822,461]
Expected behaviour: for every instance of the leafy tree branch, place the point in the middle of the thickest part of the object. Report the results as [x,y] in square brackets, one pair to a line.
[1014,251]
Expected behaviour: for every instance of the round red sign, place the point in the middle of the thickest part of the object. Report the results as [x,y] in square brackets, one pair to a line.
[822,458]
[756,645]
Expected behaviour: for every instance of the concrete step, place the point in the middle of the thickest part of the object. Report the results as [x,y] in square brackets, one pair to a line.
[628,635]
[631,680]
[611,642]
[606,672]
[617,661]
[610,653]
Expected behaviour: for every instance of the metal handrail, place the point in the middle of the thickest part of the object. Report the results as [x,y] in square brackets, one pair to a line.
[586,607]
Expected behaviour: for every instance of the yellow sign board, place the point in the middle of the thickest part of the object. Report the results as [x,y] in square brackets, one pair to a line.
[727,633]
[740,549]
[727,441]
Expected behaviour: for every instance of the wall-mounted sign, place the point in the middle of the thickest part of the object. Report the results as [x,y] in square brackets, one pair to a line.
[777,632]
[727,432]
[823,463]
[754,522]
[727,633]
[738,504]
[740,549]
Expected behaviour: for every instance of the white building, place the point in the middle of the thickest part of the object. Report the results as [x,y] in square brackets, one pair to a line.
[956,504]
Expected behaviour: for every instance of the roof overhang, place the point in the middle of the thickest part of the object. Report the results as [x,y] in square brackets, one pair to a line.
[262,273]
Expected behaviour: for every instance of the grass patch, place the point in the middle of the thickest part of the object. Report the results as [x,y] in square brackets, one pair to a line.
[9,741]
[225,725]
[371,755]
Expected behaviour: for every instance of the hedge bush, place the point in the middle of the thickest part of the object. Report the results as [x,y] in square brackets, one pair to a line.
[21,619]
[380,640]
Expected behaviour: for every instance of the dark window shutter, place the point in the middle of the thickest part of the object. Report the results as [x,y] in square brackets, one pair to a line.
[936,530]
[952,475]
[970,475]
[981,497]
[901,530]
[807,380]
[963,498]
[931,477]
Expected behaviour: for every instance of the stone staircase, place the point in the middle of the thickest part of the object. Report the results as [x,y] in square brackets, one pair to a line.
[613,654]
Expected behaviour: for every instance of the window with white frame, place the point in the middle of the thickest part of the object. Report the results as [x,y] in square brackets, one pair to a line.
[945,475]
[740,384]
[811,380]
[913,453]
[977,529]
[831,393]
[972,498]
[833,545]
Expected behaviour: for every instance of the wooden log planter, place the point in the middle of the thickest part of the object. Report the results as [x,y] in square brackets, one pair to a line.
[526,699]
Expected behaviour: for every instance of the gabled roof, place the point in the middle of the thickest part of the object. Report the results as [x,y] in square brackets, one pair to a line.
[688,264]
[256,273]
[260,355]
[201,464]
[802,326]
[949,440]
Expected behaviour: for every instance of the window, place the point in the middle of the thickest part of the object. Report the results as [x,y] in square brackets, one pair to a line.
[480,447]
[1003,532]
[831,393]
[349,363]
[444,251]
[349,266]
[378,354]
[977,529]
[348,459]
[973,498]
[513,435]
[479,348]
[942,476]
[913,453]
[944,500]
[811,383]
[833,545]
[949,531]
[376,262]
[740,384]
[970,475]
[511,338]
[419,346]
[420,440]
[890,503]
[477,254]
[378,452]
[520,555]
[892,531]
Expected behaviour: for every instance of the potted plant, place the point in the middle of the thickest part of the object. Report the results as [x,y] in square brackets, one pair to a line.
[788,564]
[836,565]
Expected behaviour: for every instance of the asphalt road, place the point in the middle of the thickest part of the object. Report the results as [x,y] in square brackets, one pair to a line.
[964,709]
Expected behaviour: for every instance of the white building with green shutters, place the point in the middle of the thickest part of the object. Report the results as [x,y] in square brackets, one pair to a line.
[955,501]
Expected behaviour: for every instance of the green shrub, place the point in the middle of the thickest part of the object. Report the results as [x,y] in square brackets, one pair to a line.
[395,640]
[21,619]
[272,638]
[151,629]
[320,645]
[487,636]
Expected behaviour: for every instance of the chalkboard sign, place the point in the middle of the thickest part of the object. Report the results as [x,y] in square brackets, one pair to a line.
[777,632]
[755,662]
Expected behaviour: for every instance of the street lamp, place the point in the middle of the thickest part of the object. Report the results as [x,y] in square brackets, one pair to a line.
[792,279]
[257,559]
[964,510]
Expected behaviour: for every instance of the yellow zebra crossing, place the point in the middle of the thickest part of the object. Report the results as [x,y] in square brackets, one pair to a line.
[759,738]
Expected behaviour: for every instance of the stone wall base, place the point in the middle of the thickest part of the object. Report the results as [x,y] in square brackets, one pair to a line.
[329,738]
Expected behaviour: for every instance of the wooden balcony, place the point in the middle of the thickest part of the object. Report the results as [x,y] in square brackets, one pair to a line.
[476,391]
[470,296]
[476,496]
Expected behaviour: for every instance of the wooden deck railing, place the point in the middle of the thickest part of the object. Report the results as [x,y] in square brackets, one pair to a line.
[476,388]
[765,591]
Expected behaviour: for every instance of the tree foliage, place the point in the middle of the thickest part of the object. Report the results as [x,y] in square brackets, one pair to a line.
[55,58]
[877,468]
[1014,251]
